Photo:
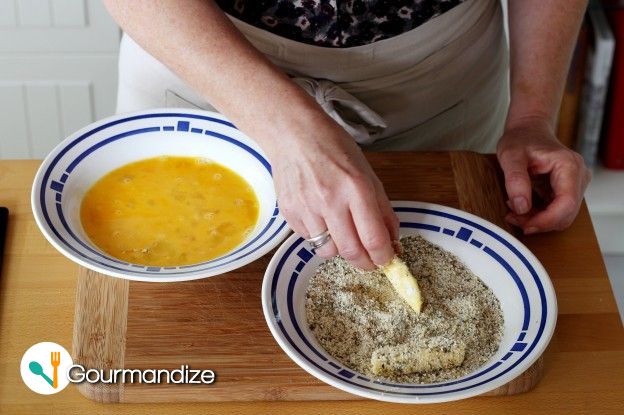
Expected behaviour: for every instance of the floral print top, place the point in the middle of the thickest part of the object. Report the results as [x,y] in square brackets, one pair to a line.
[336,23]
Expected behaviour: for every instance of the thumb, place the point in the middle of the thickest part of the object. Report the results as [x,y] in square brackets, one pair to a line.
[517,181]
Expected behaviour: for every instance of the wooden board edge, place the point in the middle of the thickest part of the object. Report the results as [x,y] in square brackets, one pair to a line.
[473,173]
[99,338]
[525,382]
[249,392]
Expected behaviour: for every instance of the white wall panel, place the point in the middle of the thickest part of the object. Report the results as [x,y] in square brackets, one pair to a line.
[58,71]
[69,13]
[53,26]
[8,14]
[36,116]
[14,135]
[75,106]
[34,13]
[98,70]
[42,111]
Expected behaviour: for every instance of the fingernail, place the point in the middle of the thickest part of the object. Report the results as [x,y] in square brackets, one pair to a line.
[531,230]
[521,206]
[397,247]
[512,220]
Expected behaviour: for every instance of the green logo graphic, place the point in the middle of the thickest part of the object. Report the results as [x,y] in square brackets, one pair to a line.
[35,367]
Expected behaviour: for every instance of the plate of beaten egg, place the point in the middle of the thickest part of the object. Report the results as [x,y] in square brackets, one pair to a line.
[160,195]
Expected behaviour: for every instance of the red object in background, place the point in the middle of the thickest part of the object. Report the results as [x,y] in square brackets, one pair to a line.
[613,150]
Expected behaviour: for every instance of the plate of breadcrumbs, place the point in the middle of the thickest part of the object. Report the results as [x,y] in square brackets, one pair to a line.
[462,309]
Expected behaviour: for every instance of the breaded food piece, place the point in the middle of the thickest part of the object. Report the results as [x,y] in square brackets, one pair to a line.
[417,357]
[404,283]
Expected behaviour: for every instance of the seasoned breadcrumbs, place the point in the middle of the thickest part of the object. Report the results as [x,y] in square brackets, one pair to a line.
[360,320]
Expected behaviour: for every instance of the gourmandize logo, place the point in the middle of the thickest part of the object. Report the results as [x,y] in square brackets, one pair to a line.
[55,360]
[44,368]
[48,368]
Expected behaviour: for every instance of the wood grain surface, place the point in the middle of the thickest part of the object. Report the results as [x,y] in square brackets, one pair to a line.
[217,322]
[583,370]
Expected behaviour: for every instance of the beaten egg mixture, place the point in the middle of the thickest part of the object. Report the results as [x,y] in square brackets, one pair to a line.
[169,211]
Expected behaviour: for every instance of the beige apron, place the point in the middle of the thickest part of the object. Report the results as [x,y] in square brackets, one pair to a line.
[441,86]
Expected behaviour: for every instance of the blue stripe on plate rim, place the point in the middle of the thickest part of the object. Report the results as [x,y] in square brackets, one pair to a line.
[518,254]
[85,153]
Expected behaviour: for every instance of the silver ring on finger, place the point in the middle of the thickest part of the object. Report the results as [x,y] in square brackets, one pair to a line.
[319,240]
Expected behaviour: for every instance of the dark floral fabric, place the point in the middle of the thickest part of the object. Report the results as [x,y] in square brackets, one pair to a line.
[336,23]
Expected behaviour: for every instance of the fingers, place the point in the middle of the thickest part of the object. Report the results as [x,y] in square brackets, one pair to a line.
[391,221]
[294,221]
[389,216]
[308,226]
[357,214]
[517,181]
[557,216]
[346,238]
[516,220]
[568,181]
[315,225]
[372,230]
[362,227]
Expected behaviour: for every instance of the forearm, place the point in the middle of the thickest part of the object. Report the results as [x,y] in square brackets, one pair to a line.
[197,41]
[542,38]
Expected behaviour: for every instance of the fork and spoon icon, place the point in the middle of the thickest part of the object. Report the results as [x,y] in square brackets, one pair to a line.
[55,361]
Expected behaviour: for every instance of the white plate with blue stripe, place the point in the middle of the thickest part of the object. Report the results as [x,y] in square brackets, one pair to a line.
[87,155]
[502,262]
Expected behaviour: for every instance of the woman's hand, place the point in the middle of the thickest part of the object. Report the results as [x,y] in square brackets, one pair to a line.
[323,182]
[528,148]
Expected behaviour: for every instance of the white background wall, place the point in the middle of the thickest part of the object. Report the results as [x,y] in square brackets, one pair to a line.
[58,71]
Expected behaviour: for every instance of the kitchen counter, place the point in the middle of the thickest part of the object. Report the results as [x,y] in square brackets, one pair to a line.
[584,365]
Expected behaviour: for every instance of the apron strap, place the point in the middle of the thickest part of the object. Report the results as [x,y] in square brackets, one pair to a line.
[364,124]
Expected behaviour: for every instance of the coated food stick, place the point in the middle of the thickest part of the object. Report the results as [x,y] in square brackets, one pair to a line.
[404,282]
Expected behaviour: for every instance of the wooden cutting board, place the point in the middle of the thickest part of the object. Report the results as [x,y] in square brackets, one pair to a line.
[217,323]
